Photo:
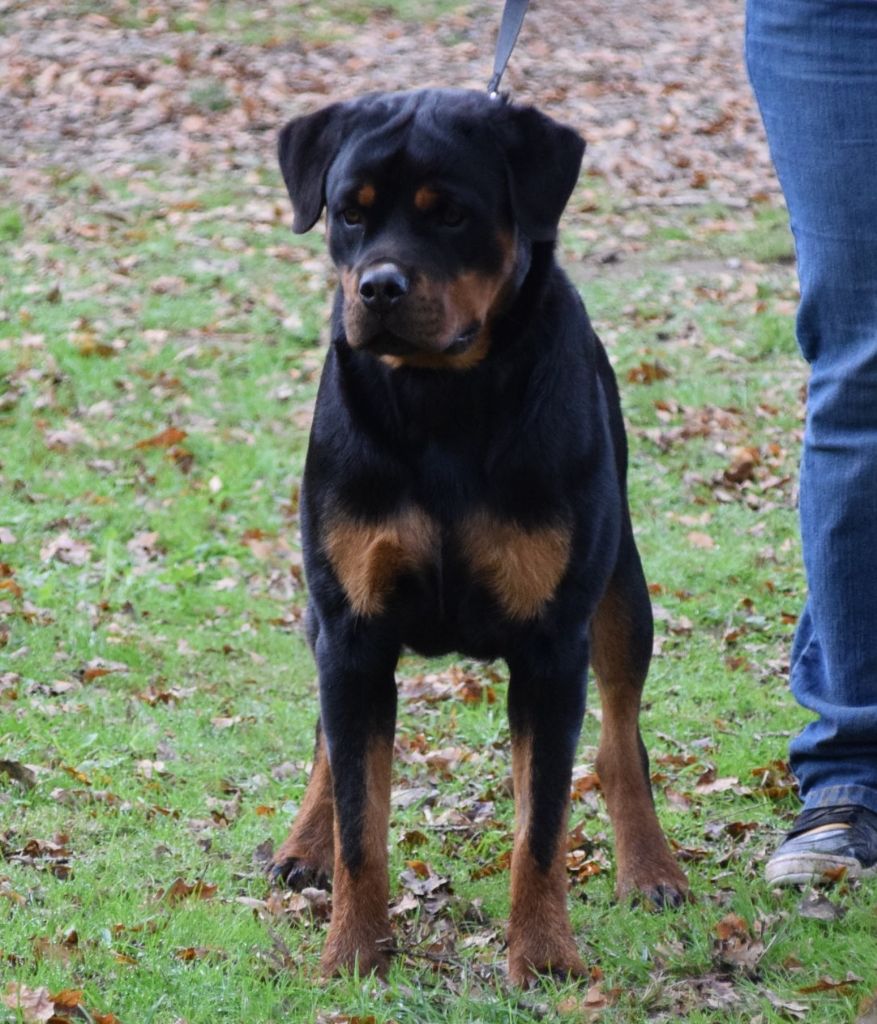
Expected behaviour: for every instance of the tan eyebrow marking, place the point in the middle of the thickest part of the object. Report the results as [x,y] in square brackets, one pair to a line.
[425,198]
[366,195]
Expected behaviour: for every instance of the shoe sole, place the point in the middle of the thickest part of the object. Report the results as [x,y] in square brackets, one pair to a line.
[804,868]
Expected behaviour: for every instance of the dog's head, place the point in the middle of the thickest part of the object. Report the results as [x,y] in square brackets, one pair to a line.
[434,199]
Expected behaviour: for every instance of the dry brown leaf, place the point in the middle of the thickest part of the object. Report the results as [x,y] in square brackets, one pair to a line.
[11,587]
[422,880]
[19,772]
[717,785]
[196,953]
[66,549]
[736,946]
[867,1010]
[826,984]
[67,999]
[700,540]
[648,373]
[502,862]
[165,439]
[819,907]
[589,782]
[180,890]
[34,1004]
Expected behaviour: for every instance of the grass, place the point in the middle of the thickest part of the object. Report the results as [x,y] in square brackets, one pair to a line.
[159,359]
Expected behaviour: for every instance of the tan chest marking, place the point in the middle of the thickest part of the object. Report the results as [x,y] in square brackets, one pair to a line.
[368,558]
[521,568]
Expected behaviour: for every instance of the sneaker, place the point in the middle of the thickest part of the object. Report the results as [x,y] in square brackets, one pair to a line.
[823,842]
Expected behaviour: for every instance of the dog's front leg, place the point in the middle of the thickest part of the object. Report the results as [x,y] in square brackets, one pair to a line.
[358,712]
[546,707]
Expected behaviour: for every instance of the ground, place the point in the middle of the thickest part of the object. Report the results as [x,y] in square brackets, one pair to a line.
[161,333]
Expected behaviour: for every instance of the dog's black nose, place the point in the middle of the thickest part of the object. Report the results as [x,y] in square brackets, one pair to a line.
[382,285]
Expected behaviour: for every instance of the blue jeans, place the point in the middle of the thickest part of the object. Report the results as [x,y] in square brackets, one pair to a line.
[813,66]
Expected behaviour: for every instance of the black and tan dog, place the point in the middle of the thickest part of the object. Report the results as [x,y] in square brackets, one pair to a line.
[464,491]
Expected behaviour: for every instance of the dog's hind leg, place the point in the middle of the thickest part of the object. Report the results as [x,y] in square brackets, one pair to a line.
[621,647]
[546,706]
[306,856]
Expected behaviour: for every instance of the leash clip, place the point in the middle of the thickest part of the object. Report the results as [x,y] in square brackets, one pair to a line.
[512,19]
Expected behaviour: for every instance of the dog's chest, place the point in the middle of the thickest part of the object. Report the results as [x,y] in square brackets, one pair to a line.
[440,564]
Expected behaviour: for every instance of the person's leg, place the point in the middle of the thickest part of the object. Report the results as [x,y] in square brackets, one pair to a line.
[813,66]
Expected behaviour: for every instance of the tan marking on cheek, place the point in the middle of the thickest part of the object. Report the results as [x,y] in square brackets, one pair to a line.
[349,285]
[355,313]
[522,568]
[367,195]
[425,198]
[474,296]
[368,558]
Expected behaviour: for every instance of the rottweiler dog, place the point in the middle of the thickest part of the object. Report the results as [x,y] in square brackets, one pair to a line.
[464,490]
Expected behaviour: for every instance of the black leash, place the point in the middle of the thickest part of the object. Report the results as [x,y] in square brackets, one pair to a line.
[512,19]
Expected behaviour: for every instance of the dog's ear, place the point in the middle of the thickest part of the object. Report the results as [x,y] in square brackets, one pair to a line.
[306,148]
[543,160]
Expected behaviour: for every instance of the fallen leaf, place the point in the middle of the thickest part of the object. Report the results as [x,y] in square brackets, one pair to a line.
[34,1004]
[742,467]
[422,880]
[99,667]
[717,785]
[66,549]
[587,783]
[501,862]
[67,999]
[180,890]
[11,587]
[867,1010]
[165,439]
[191,953]
[788,1007]
[826,984]
[736,946]
[19,773]
[701,540]
[648,373]
[817,906]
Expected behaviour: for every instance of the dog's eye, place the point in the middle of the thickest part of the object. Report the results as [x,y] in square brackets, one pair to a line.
[351,216]
[452,215]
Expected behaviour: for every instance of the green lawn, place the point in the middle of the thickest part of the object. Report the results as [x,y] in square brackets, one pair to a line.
[160,342]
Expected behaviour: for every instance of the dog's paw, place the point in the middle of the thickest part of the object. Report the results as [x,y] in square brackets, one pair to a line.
[562,964]
[369,953]
[658,889]
[666,895]
[299,873]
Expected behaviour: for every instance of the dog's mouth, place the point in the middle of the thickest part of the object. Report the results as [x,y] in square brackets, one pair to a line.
[386,343]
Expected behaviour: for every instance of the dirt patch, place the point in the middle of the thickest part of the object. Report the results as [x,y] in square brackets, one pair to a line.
[658,88]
